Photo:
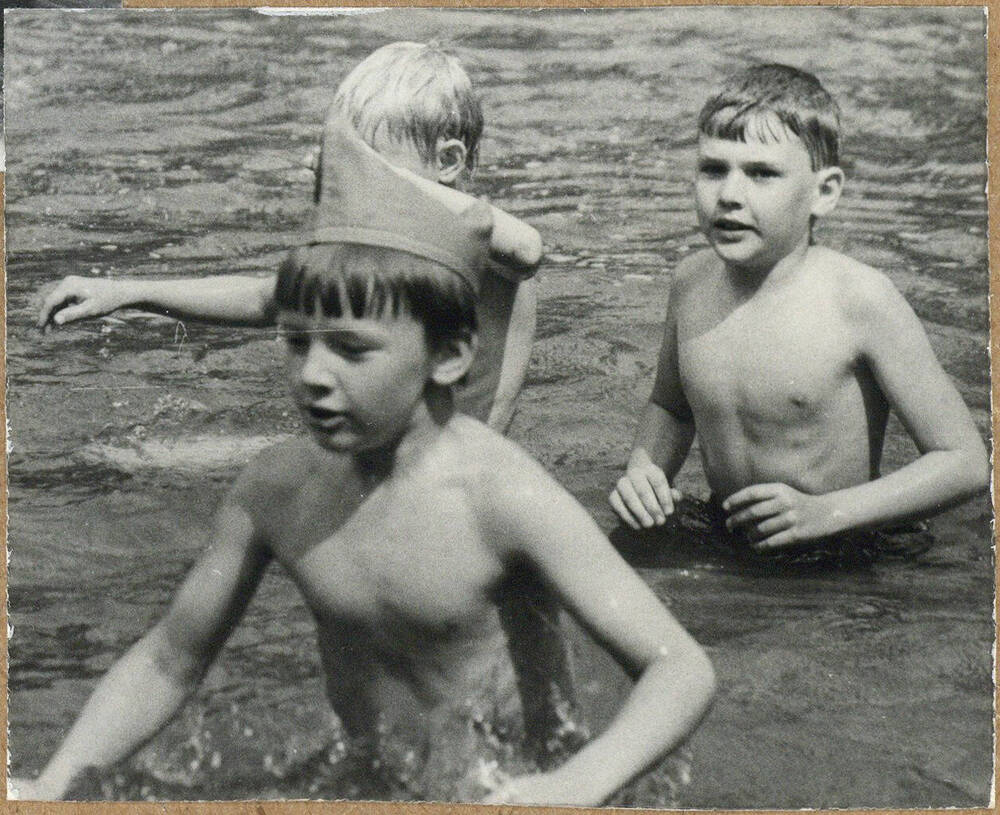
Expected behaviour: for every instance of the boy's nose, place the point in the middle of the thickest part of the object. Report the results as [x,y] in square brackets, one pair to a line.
[732,188]
[315,372]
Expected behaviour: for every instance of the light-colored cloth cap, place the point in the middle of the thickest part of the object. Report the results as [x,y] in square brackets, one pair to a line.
[362,199]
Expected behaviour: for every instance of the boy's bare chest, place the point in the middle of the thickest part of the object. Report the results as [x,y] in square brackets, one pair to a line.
[771,362]
[407,559]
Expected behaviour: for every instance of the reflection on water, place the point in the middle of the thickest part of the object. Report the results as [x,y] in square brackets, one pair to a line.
[184,157]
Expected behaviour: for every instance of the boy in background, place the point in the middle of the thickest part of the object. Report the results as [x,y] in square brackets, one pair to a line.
[785,357]
[402,522]
[415,105]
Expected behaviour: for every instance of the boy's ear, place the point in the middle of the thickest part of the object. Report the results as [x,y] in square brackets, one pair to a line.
[829,185]
[451,360]
[450,155]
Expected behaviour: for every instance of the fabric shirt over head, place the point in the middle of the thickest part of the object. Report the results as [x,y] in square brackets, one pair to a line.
[364,200]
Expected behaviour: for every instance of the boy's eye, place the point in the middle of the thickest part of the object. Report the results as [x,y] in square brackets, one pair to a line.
[762,173]
[296,341]
[350,351]
[710,169]
[347,346]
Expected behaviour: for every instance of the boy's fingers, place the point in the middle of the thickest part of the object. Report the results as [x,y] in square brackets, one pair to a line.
[778,523]
[754,512]
[635,505]
[618,505]
[664,495]
[783,538]
[76,312]
[51,304]
[649,500]
[748,495]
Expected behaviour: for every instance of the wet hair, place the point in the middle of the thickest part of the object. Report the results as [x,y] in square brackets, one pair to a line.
[337,279]
[766,102]
[412,92]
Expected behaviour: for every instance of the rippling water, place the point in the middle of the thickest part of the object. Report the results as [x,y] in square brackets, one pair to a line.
[169,144]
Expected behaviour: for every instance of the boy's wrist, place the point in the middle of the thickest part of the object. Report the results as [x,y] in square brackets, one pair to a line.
[836,518]
[639,457]
[127,293]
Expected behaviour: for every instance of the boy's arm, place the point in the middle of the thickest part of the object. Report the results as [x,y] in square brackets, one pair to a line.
[514,245]
[643,497]
[952,465]
[147,686]
[543,524]
[516,354]
[225,299]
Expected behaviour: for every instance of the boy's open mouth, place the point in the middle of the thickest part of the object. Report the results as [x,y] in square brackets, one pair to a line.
[323,416]
[730,225]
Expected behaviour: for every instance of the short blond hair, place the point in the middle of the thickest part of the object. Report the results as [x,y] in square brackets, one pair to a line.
[413,92]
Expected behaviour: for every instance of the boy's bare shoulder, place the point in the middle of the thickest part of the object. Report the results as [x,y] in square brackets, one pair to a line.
[694,267]
[861,292]
[499,476]
[694,272]
[492,462]
[279,470]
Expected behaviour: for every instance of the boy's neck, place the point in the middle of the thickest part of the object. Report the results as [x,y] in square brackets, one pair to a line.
[751,279]
[426,425]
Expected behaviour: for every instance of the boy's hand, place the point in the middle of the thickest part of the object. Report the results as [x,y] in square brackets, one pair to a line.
[776,515]
[77,298]
[643,497]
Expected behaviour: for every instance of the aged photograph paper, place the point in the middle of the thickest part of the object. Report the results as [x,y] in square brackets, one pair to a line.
[389,601]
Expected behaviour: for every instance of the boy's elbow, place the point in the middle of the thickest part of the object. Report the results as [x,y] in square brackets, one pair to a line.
[179,664]
[703,675]
[697,674]
[521,252]
[531,248]
[978,467]
[974,465]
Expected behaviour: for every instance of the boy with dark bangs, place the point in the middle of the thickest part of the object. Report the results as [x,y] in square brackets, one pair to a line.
[785,357]
[404,524]
[415,105]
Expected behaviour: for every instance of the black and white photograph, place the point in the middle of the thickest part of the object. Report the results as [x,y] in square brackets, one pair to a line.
[522,406]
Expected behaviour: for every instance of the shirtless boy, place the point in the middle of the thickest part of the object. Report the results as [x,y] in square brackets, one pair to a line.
[400,520]
[785,357]
[415,105]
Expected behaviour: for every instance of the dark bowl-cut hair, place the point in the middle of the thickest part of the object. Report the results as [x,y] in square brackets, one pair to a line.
[761,101]
[358,280]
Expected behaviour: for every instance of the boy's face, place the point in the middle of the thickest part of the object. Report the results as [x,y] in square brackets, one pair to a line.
[754,198]
[357,382]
